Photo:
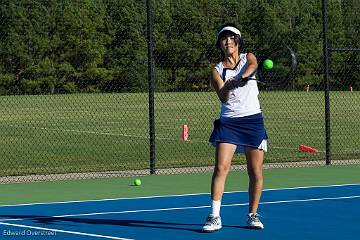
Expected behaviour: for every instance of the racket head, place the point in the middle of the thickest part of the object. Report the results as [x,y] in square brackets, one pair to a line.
[282,75]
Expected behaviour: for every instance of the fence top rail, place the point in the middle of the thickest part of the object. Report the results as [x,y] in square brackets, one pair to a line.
[345,49]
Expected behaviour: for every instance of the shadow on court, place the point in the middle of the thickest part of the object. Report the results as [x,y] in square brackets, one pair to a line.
[192,227]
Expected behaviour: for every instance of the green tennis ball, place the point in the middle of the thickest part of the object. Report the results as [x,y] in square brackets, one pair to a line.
[268,64]
[137,182]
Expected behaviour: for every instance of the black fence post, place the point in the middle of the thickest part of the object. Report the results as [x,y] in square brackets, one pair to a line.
[151,86]
[326,79]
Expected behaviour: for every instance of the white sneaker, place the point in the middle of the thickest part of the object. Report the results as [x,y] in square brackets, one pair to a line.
[253,221]
[212,224]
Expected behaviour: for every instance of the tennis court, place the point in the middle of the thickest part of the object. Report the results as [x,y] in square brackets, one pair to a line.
[320,211]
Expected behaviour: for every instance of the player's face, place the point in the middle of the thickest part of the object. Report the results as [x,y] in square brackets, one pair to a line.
[228,44]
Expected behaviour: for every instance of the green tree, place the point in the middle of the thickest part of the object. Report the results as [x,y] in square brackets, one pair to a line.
[184,43]
[51,34]
[127,53]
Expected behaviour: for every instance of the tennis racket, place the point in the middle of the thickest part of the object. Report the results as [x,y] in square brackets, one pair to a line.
[282,75]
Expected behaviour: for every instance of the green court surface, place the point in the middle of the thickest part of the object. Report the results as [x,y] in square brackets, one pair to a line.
[158,185]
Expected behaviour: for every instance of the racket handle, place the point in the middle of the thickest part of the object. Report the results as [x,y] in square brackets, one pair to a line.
[239,82]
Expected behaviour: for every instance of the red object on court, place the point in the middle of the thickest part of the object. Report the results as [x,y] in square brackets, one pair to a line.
[185,132]
[305,148]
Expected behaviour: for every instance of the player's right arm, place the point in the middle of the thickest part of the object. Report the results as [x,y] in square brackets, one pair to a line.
[221,87]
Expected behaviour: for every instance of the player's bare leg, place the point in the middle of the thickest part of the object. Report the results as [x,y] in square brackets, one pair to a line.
[255,158]
[223,156]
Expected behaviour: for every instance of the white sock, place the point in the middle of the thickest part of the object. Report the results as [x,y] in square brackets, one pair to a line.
[215,208]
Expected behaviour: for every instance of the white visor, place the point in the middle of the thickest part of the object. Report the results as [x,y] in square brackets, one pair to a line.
[231,29]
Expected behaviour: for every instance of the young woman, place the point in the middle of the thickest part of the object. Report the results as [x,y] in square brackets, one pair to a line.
[240,128]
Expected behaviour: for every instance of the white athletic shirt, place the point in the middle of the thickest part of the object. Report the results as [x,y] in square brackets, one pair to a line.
[243,101]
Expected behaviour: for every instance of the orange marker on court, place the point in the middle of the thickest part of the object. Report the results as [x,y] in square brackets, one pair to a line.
[304,148]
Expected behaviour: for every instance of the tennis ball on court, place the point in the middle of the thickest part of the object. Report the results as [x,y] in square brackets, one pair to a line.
[137,182]
[268,64]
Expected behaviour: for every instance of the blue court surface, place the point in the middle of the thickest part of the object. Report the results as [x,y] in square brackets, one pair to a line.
[321,212]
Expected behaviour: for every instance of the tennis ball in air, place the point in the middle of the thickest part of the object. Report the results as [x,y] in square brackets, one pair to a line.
[137,182]
[268,64]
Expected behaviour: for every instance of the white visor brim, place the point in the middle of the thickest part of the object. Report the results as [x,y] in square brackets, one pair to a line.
[231,29]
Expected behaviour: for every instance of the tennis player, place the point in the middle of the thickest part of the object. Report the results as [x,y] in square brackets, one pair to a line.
[240,128]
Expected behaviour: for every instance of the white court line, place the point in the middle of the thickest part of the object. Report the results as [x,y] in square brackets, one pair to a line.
[63,231]
[183,208]
[175,195]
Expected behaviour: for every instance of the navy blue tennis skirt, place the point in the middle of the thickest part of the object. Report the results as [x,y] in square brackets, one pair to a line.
[244,132]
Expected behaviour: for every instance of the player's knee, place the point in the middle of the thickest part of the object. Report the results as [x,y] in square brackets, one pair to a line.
[256,175]
[222,169]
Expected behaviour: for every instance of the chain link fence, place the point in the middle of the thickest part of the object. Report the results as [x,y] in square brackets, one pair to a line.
[74,85]
[343,78]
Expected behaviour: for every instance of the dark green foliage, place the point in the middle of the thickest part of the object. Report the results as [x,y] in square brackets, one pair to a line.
[64,46]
